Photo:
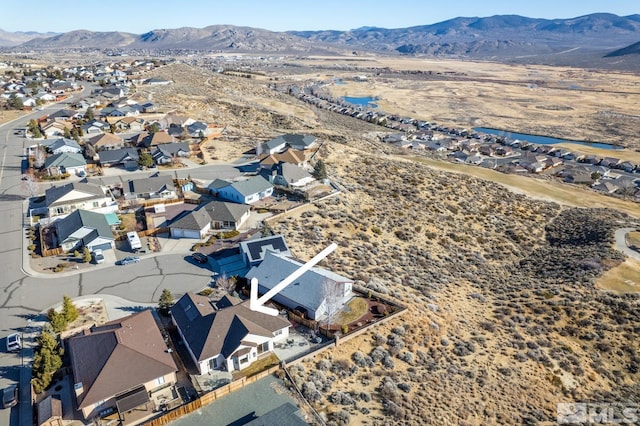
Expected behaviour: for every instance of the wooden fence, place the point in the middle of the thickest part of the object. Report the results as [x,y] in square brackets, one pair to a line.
[209,397]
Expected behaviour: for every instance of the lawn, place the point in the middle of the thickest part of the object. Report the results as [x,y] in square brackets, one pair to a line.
[258,366]
[355,309]
[622,279]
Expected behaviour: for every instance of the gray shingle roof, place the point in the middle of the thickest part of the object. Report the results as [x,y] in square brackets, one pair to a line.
[195,220]
[65,159]
[209,332]
[151,185]
[60,142]
[89,191]
[225,212]
[252,185]
[306,291]
[116,156]
[83,218]
[118,356]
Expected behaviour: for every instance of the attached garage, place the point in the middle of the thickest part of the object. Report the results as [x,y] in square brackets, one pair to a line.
[195,225]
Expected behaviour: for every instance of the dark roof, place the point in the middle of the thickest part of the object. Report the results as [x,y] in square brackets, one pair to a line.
[220,211]
[151,185]
[49,408]
[284,415]
[116,156]
[255,250]
[84,219]
[168,149]
[118,356]
[195,220]
[209,332]
[89,191]
[299,140]
[218,183]
[65,159]
[132,399]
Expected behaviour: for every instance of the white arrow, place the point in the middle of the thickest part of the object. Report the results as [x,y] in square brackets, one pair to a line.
[257,305]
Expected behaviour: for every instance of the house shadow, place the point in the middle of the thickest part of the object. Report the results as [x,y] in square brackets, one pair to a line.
[133,309]
[248,167]
[244,419]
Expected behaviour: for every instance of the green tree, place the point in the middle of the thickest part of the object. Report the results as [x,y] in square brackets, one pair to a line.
[15,102]
[153,128]
[166,301]
[47,359]
[57,319]
[69,310]
[67,133]
[89,114]
[320,170]
[145,160]
[34,129]
[86,255]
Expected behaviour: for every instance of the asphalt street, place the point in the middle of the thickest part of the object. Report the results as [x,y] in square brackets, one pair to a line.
[24,294]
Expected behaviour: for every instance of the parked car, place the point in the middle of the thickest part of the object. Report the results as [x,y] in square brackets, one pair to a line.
[98,256]
[200,257]
[10,396]
[129,259]
[13,342]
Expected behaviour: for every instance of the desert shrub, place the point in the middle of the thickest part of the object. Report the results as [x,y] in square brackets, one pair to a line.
[393,410]
[404,387]
[387,362]
[310,392]
[359,359]
[323,365]
[407,357]
[398,330]
[378,354]
[379,339]
[206,292]
[341,398]
[388,389]
[365,396]
[339,418]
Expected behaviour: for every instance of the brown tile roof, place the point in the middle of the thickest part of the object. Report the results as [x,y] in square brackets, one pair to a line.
[105,139]
[118,356]
[292,156]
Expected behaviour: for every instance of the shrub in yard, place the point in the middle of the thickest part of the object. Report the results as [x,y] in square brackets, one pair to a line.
[310,392]
[31,247]
[359,359]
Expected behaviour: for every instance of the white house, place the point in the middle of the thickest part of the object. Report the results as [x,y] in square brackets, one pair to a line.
[318,293]
[64,199]
[225,335]
[247,191]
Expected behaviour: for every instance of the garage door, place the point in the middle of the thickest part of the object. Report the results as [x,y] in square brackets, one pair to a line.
[105,246]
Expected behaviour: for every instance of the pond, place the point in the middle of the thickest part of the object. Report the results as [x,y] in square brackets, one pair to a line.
[543,140]
[365,101]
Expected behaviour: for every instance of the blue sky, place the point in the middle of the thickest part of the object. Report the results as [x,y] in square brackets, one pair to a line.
[139,16]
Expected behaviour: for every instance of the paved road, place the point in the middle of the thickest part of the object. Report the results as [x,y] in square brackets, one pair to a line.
[621,243]
[24,294]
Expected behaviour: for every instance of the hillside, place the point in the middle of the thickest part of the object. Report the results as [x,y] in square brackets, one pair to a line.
[504,318]
[633,49]
[580,41]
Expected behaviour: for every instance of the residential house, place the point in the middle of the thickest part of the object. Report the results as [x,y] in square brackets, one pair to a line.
[216,185]
[627,166]
[65,162]
[56,128]
[394,138]
[318,293]
[61,145]
[300,142]
[253,251]
[213,215]
[605,185]
[172,119]
[157,187]
[130,124]
[125,157]
[167,152]
[154,139]
[64,199]
[118,365]
[287,175]
[289,156]
[83,228]
[610,162]
[94,127]
[50,411]
[272,146]
[247,191]
[105,141]
[226,335]
[64,115]
[198,129]
[474,159]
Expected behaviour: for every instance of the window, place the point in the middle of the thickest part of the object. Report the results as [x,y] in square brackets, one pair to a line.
[244,359]
[159,381]
[277,333]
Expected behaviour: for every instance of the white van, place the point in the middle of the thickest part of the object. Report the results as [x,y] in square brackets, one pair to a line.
[134,241]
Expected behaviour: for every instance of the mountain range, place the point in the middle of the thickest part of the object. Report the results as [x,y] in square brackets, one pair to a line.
[595,37]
